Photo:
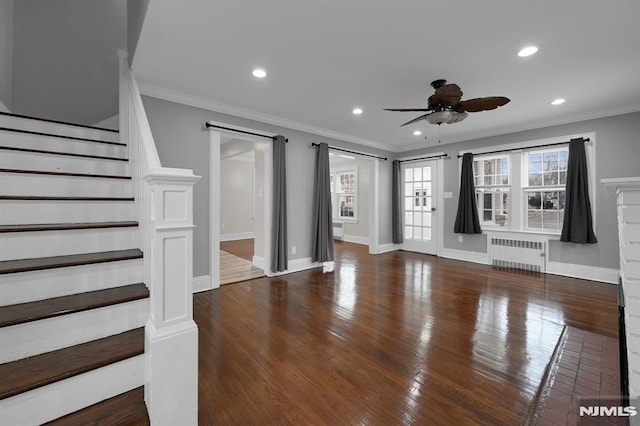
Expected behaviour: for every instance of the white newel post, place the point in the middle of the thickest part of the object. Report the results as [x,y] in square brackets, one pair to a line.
[171,343]
[628,203]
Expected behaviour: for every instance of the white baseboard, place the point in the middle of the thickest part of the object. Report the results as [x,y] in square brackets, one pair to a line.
[585,272]
[467,256]
[237,236]
[202,283]
[355,239]
[384,248]
[295,265]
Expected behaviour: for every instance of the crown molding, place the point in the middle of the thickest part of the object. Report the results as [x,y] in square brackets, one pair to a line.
[209,104]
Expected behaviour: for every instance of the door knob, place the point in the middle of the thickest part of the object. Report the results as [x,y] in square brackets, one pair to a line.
[433,209]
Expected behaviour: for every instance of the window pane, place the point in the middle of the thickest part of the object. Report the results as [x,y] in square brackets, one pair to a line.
[535,163]
[428,206]
[534,219]
[563,160]
[550,201]
[563,178]
[408,188]
[488,180]
[535,179]
[487,215]
[534,200]
[417,233]
[550,161]
[561,199]
[488,167]
[550,178]
[345,205]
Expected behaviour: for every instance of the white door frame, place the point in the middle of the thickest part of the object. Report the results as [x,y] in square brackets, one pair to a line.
[214,197]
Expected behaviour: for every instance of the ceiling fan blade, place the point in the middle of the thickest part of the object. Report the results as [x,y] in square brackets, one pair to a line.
[407,109]
[449,94]
[422,117]
[481,104]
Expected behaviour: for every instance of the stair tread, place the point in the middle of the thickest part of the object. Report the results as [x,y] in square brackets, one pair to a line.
[66,226]
[68,154]
[45,172]
[128,409]
[47,198]
[63,305]
[66,123]
[40,370]
[23,265]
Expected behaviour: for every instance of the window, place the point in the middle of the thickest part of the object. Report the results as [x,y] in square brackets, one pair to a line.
[343,194]
[546,178]
[491,180]
[524,189]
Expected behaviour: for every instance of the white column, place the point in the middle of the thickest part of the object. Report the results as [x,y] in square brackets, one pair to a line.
[171,335]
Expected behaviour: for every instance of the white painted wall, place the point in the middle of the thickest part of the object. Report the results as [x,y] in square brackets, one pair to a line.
[236,198]
[6,55]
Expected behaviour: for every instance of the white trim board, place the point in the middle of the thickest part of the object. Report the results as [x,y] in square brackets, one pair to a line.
[584,272]
[466,256]
[237,236]
[386,248]
[356,239]
[295,265]
[202,283]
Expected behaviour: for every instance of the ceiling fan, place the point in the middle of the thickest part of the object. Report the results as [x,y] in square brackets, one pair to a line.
[446,104]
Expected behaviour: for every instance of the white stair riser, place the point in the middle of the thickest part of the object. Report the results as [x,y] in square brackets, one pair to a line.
[67,396]
[61,163]
[39,285]
[38,337]
[32,212]
[57,129]
[63,186]
[48,143]
[27,245]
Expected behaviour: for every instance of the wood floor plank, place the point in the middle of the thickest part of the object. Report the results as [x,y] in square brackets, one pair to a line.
[397,338]
[240,248]
[234,269]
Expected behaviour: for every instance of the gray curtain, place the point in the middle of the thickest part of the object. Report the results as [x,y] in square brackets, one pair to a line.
[279,261]
[467,221]
[577,226]
[322,212]
[396,204]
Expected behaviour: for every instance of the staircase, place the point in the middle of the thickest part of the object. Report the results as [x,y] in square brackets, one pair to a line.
[73,304]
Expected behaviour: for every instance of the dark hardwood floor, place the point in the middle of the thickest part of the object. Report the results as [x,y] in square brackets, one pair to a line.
[394,339]
[240,248]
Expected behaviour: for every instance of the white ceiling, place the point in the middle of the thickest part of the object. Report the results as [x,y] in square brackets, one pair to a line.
[324,57]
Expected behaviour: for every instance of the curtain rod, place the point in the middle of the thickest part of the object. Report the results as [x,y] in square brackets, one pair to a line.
[528,147]
[313,145]
[209,125]
[425,158]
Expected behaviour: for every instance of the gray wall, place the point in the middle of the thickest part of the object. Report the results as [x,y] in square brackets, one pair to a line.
[617,155]
[236,197]
[136,11]
[64,58]
[6,54]
[182,142]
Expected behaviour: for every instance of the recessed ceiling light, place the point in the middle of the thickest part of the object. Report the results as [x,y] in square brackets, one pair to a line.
[527,51]
[417,133]
[558,101]
[357,111]
[259,72]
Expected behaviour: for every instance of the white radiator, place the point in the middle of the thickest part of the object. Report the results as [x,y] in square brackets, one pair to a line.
[338,231]
[517,253]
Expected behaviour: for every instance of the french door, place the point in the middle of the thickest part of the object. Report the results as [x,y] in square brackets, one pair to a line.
[419,209]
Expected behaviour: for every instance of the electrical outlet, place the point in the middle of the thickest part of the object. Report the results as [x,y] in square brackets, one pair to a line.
[293,249]
[460,238]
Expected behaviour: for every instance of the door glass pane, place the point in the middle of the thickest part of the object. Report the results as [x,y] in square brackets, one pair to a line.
[426,173]
[408,232]
[426,234]
[417,174]
[408,218]
[408,203]
[417,233]
[417,218]
[426,219]
[408,175]
[408,188]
